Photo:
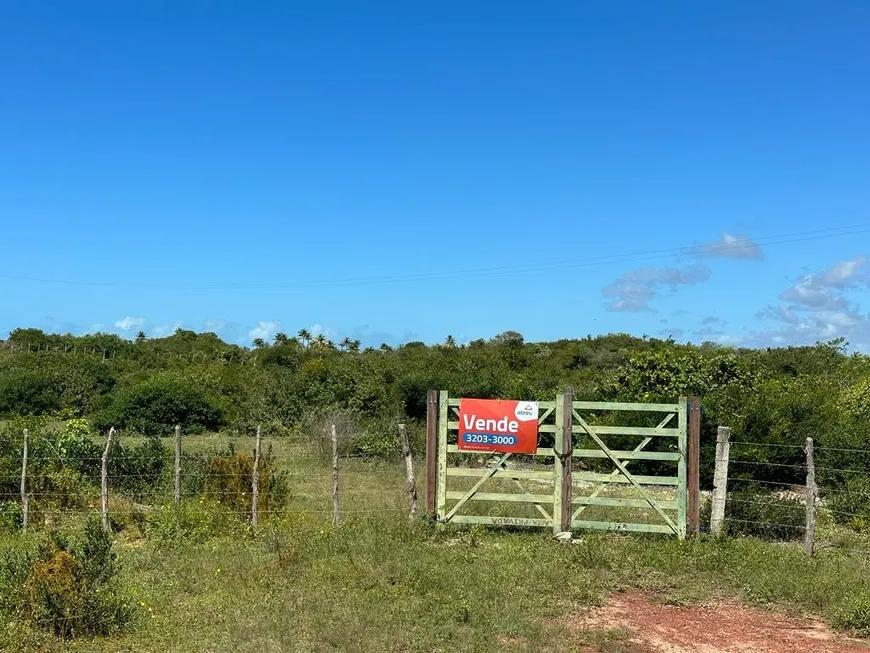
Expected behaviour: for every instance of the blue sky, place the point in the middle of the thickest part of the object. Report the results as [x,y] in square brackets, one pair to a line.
[396,171]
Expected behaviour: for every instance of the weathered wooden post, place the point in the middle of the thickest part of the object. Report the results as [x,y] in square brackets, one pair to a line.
[25,500]
[104,481]
[694,480]
[410,481]
[431,450]
[720,480]
[335,515]
[255,482]
[177,464]
[566,452]
[812,492]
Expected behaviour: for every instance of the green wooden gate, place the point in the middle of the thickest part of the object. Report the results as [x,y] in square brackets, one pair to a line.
[583,466]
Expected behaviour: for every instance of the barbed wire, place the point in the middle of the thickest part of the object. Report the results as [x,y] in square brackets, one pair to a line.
[818,468]
[763,482]
[764,523]
[818,447]
[761,462]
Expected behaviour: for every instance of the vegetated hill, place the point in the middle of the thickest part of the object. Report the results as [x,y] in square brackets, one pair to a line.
[772,395]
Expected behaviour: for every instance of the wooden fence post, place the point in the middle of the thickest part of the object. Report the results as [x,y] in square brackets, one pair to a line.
[812,492]
[104,481]
[567,451]
[410,480]
[431,450]
[25,500]
[335,515]
[720,480]
[255,483]
[694,476]
[177,464]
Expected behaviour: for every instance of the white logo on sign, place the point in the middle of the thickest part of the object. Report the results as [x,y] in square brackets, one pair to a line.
[526,411]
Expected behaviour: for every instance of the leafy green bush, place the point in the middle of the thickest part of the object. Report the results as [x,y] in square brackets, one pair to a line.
[141,470]
[68,587]
[155,406]
[376,442]
[11,516]
[28,393]
[765,515]
[19,554]
[850,503]
[189,522]
[854,616]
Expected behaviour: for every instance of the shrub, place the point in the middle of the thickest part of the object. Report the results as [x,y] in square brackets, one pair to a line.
[766,515]
[61,488]
[19,554]
[851,504]
[28,393]
[854,616]
[317,428]
[155,406]
[74,447]
[376,442]
[228,480]
[190,522]
[71,587]
[11,517]
[141,469]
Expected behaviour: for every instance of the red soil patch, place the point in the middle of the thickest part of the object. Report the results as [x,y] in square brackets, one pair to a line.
[725,627]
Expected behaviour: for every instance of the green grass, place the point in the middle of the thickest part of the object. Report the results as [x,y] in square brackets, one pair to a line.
[378,582]
[387,585]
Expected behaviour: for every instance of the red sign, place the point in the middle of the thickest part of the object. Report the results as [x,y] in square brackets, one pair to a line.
[498,425]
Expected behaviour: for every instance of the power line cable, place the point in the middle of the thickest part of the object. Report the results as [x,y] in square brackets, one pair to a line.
[699,251]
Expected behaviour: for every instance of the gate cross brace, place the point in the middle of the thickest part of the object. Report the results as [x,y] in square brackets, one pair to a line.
[537,505]
[616,472]
[643,491]
[476,487]
[497,467]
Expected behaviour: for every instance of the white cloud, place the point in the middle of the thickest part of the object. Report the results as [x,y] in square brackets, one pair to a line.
[265,329]
[227,330]
[128,323]
[214,324]
[815,308]
[164,330]
[729,246]
[632,291]
[634,305]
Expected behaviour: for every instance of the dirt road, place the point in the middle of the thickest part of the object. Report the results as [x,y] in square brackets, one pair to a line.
[633,623]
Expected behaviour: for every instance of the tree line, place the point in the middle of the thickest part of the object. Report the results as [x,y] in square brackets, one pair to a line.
[767,396]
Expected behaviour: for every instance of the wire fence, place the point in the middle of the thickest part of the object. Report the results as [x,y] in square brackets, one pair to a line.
[135,477]
[766,495]
[817,494]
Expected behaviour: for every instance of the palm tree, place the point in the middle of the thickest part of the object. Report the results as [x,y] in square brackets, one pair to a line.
[304,336]
[450,341]
[141,337]
[354,346]
[280,338]
[320,342]
[345,344]
[258,343]
[385,347]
